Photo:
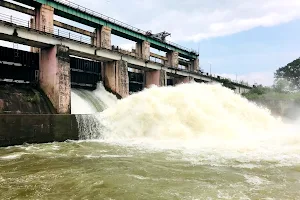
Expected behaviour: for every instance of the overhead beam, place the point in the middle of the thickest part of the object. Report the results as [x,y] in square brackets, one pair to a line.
[183,62]
[73,28]
[84,16]
[35,38]
[158,56]
[23,35]
[16,7]
[31,12]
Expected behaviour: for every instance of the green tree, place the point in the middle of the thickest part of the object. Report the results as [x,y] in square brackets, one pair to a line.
[282,85]
[257,92]
[227,83]
[290,73]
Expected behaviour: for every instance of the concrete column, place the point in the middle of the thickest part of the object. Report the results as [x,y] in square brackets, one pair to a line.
[143,50]
[55,78]
[186,79]
[116,77]
[96,41]
[106,37]
[32,25]
[102,37]
[195,65]
[156,77]
[44,18]
[172,59]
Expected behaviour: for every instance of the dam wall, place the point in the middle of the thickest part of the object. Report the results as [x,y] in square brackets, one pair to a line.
[17,129]
[23,99]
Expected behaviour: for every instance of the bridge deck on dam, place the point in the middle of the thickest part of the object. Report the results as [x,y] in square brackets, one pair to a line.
[75,12]
[16,30]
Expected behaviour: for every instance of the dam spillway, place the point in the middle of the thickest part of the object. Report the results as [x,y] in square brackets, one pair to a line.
[159,145]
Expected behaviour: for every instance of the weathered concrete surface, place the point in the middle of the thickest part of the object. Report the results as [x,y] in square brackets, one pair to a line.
[163,78]
[116,77]
[32,25]
[102,37]
[55,78]
[143,50]
[96,41]
[173,59]
[105,37]
[195,65]
[44,18]
[40,40]
[23,99]
[43,21]
[20,129]
[156,77]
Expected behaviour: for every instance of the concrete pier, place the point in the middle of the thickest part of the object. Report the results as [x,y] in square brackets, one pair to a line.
[55,77]
[156,77]
[43,21]
[116,77]
[195,65]
[143,50]
[106,37]
[96,40]
[102,37]
[65,60]
[44,18]
[172,59]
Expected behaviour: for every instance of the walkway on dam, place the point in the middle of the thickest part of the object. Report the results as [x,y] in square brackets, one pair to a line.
[27,35]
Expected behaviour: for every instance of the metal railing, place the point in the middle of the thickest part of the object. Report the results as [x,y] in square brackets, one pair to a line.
[51,30]
[96,14]
[212,76]
[87,40]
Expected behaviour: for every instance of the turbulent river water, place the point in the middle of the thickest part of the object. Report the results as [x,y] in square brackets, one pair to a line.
[192,141]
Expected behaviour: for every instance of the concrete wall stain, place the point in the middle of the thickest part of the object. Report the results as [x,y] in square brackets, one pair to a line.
[106,37]
[22,98]
[20,129]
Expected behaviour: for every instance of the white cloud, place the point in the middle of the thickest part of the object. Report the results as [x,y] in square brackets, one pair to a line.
[264,78]
[194,20]
[127,46]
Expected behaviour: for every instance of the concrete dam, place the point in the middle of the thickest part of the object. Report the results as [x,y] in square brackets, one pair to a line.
[81,118]
[38,85]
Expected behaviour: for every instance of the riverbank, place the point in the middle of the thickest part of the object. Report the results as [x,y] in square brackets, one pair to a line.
[281,104]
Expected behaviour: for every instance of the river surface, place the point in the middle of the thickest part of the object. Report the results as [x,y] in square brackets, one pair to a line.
[101,170]
[162,143]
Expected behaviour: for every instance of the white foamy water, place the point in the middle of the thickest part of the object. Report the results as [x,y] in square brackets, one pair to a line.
[90,102]
[192,141]
[12,156]
[187,111]
[200,119]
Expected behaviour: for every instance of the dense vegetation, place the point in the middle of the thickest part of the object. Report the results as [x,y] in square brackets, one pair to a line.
[290,73]
[283,98]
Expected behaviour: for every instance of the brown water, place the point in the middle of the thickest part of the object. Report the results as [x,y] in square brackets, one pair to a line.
[193,141]
[101,170]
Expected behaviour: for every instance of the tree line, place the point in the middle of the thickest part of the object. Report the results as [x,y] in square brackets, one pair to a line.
[283,97]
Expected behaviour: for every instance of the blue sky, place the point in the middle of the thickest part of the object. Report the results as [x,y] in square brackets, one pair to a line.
[250,39]
[259,50]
